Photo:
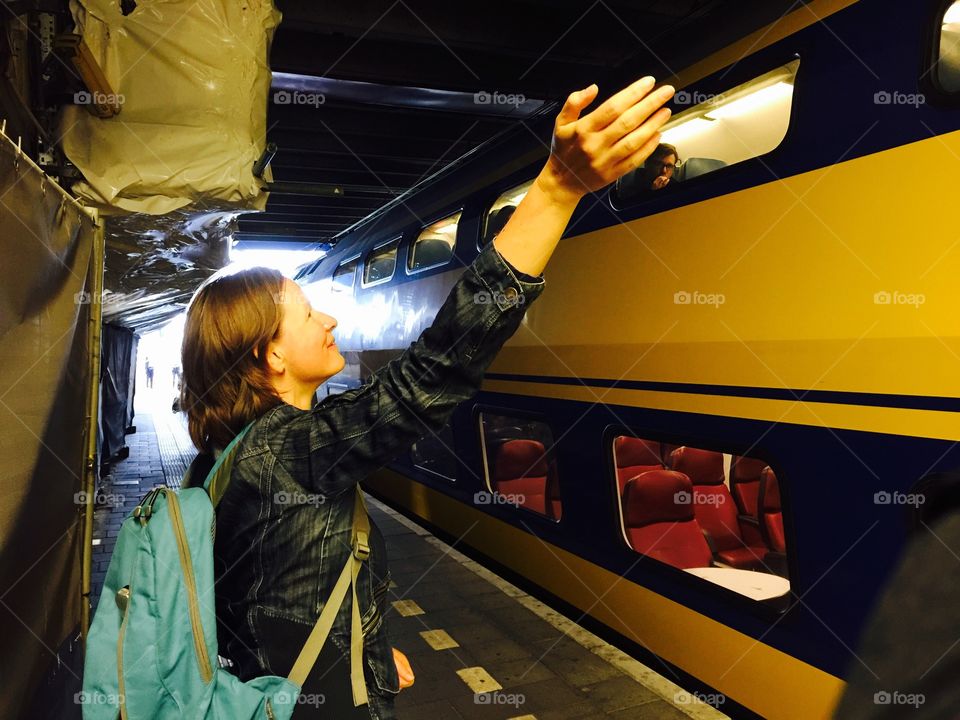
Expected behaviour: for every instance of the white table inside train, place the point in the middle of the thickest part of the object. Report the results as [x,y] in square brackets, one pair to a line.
[755,585]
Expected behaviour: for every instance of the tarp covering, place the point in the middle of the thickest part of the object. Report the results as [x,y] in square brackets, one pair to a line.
[117,373]
[46,265]
[191,79]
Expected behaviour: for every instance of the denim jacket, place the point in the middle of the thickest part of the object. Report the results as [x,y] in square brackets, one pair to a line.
[283,526]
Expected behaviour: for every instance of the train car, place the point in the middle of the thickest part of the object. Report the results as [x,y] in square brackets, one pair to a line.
[704,439]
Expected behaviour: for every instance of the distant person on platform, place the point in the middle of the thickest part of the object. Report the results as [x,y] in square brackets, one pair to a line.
[149,373]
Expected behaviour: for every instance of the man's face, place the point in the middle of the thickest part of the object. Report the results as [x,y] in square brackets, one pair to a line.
[664,166]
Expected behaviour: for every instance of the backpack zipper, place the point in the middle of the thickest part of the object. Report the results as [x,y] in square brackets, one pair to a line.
[186,565]
[121,686]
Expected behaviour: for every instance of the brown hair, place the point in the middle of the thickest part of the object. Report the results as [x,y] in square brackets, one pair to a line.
[664,149]
[226,385]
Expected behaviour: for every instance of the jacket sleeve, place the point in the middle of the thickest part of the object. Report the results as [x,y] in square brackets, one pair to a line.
[347,436]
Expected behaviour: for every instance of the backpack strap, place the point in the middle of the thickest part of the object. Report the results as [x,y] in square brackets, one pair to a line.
[348,579]
[219,476]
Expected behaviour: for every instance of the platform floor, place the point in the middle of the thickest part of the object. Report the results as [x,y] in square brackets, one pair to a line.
[480,647]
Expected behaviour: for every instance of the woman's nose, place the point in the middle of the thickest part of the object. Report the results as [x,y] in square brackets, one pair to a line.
[329,322]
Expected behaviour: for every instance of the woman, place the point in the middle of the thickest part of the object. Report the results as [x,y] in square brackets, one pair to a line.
[254,350]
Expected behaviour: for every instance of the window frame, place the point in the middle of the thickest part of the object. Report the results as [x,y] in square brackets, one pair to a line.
[398,239]
[353,281]
[476,414]
[488,208]
[741,73]
[929,80]
[421,468]
[453,248]
[775,606]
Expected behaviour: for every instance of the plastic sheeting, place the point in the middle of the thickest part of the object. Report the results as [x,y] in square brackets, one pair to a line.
[174,168]
[117,374]
[191,79]
[47,263]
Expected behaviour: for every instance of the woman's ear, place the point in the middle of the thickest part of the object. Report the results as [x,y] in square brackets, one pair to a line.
[275,359]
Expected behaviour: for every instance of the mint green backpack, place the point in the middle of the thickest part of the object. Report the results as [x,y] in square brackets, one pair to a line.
[152,647]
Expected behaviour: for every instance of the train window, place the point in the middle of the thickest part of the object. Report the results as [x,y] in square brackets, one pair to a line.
[344,275]
[948,52]
[435,454]
[520,464]
[713,514]
[744,122]
[434,244]
[381,263]
[501,210]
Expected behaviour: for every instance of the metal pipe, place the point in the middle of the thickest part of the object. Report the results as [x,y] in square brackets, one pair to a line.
[261,164]
[90,422]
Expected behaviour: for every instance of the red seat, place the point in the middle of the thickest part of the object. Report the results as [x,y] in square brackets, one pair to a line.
[520,468]
[633,456]
[771,513]
[745,487]
[714,507]
[658,515]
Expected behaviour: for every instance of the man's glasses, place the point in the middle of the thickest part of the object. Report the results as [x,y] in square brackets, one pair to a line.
[665,165]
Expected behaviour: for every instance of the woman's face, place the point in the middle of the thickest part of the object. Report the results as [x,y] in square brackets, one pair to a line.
[305,346]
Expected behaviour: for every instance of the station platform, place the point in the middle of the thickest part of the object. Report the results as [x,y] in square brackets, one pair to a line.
[479,646]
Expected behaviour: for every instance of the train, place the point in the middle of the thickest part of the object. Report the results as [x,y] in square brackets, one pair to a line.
[705,438]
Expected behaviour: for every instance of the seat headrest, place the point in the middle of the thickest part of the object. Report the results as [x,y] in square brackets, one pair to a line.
[657,496]
[520,458]
[431,252]
[629,451]
[692,167]
[746,469]
[771,491]
[703,467]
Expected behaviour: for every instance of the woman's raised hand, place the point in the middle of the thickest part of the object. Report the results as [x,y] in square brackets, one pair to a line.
[592,151]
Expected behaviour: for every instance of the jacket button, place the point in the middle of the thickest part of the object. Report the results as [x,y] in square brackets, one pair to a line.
[509,298]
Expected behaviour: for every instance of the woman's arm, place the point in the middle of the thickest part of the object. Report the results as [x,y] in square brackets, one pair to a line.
[347,436]
[587,154]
